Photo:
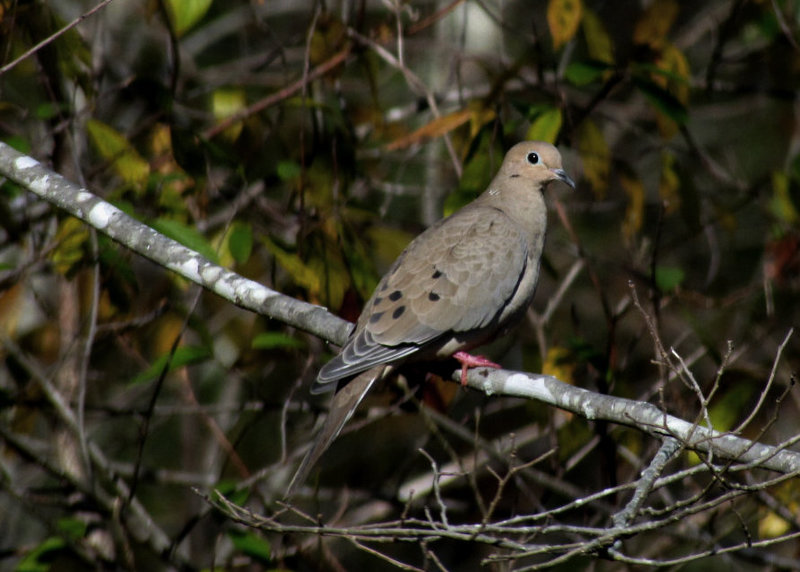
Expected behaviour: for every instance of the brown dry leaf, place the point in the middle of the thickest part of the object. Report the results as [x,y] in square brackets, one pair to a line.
[476,116]
[10,308]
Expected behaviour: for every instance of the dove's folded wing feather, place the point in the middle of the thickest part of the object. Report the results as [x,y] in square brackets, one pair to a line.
[454,278]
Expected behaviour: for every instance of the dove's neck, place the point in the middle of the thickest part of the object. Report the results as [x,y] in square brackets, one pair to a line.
[523,202]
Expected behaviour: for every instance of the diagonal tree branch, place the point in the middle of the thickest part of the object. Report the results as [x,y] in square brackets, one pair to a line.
[164,251]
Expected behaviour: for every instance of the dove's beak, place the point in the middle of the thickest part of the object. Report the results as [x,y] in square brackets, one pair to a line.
[562,176]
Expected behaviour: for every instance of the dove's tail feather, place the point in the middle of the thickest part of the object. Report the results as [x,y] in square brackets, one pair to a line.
[343,406]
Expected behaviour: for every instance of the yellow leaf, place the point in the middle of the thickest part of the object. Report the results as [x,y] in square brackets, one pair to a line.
[556,363]
[546,126]
[325,276]
[227,102]
[335,277]
[174,180]
[329,37]
[669,184]
[480,117]
[114,147]
[563,17]
[654,24]
[595,156]
[71,236]
[168,328]
[598,41]
[675,79]
[781,204]
[727,219]
[771,526]
[300,272]
[388,242]
[634,213]
[186,13]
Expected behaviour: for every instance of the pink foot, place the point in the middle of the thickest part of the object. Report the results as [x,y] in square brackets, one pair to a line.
[468,361]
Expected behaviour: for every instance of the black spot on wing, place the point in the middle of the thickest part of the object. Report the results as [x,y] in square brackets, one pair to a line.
[398,312]
[433,297]
[436,274]
[376,317]
[395,296]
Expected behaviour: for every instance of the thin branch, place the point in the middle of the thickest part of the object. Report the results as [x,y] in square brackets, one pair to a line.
[53,37]
[332,63]
[767,387]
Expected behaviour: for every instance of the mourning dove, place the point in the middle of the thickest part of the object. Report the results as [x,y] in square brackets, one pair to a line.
[466,279]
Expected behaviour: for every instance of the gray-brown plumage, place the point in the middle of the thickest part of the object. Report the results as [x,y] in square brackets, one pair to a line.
[466,279]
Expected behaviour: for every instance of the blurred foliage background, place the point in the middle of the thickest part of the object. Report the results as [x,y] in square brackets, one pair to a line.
[303,144]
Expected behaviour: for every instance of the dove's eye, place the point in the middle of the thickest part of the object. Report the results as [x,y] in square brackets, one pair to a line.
[533,158]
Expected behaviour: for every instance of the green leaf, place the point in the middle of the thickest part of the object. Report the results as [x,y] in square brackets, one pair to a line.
[728,409]
[186,235]
[18,143]
[240,242]
[49,110]
[276,340]
[288,170]
[668,278]
[662,100]
[228,489]
[249,543]
[72,528]
[228,102]
[186,13]
[476,176]
[183,356]
[584,73]
[39,559]
[546,126]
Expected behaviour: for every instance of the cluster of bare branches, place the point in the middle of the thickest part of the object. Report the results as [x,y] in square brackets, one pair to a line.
[729,481]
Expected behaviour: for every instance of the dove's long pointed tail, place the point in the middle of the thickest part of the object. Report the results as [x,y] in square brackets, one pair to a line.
[343,406]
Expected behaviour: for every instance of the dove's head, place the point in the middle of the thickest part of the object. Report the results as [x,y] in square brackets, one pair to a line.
[535,161]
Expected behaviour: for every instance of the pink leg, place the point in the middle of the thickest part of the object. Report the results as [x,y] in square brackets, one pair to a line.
[468,361]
